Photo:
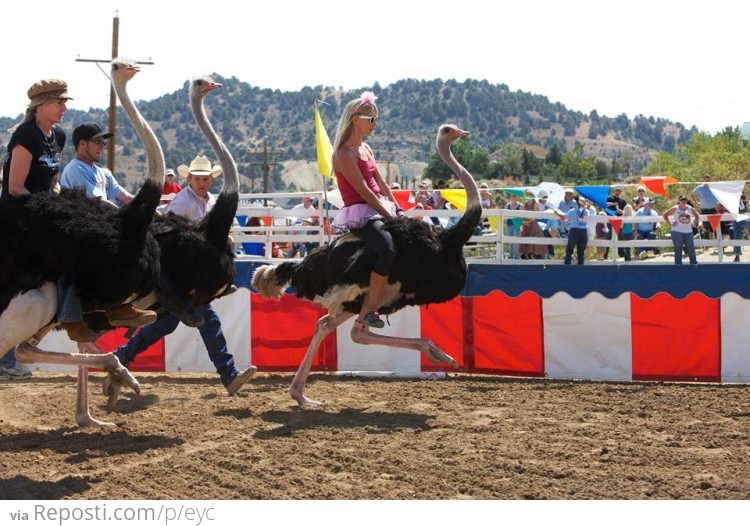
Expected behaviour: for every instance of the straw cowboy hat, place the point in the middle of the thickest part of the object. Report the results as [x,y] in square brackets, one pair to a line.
[199,166]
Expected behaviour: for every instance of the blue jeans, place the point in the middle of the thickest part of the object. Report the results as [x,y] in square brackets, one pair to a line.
[510,230]
[578,238]
[643,234]
[211,333]
[680,239]
[737,233]
[69,307]
[9,360]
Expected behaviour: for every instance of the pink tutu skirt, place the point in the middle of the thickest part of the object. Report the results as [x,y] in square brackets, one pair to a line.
[353,217]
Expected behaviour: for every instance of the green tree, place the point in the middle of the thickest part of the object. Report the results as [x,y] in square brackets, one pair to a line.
[510,159]
[554,155]
[531,165]
[576,167]
[725,156]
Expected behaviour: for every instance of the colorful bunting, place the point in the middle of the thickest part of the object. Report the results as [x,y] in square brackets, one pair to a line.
[728,194]
[597,195]
[656,184]
[616,223]
[404,199]
[456,197]
[715,220]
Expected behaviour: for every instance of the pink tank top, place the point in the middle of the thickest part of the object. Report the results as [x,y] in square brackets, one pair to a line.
[348,194]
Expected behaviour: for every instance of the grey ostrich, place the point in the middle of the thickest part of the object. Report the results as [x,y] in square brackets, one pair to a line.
[430,268]
[109,255]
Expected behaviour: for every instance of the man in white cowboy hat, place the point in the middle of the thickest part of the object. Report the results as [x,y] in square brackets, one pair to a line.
[194,202]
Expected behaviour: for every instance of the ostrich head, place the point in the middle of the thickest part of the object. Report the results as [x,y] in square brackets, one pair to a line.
[123,70]
[201,85]
[447,133]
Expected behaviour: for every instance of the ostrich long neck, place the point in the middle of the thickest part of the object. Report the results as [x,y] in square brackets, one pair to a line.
[472,191]
[154,153]
[455,237]
[231,179]
[220,218]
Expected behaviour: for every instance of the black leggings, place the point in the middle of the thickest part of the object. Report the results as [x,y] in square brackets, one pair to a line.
[381,242]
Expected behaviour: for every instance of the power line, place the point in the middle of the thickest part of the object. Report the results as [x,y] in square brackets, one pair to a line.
[112,123]
[265,164]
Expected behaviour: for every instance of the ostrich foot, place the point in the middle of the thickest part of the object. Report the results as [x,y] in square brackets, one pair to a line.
[437,355]
[117,377]
[303,401]
[86,420]
[119,374]
[112,387]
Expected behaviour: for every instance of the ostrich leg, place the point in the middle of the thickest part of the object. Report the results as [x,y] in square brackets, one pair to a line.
[323,328]
[28,353]
[83,415]
[361,334]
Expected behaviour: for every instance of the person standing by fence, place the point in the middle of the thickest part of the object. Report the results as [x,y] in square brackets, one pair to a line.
[683,218]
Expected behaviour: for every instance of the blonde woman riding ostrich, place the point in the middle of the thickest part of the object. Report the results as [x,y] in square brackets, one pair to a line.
[387,262]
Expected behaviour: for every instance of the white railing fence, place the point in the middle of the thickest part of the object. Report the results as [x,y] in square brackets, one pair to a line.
[280,228]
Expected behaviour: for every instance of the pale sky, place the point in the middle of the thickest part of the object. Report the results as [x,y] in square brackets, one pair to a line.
[680,60]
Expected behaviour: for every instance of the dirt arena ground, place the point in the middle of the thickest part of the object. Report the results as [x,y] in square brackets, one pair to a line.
[465,437]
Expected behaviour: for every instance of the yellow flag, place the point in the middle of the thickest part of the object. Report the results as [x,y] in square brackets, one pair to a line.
[325,150]
[456,197]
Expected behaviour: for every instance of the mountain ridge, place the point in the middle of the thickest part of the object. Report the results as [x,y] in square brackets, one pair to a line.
[410,112]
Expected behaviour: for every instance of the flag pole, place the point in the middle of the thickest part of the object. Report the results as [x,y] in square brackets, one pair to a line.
[327,218]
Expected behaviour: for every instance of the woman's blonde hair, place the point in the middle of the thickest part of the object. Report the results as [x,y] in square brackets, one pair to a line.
[365,104]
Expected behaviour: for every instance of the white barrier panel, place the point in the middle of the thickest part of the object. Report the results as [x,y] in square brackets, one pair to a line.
[735,339]
[588,337]
[354,357]
[184,349]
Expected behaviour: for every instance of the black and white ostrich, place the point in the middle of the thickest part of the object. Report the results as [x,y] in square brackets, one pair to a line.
[198,256]
[109,254]
[429,268]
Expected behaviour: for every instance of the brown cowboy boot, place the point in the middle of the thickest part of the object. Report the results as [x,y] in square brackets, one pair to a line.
[130,316]
[78,331]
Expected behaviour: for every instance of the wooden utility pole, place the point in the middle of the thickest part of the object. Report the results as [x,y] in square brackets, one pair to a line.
[266,165]
[112,123]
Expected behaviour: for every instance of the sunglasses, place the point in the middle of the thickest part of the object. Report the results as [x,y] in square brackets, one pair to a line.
[99,142]
[372,120]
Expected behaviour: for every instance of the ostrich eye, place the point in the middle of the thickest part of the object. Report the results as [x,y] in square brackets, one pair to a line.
[199,82]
